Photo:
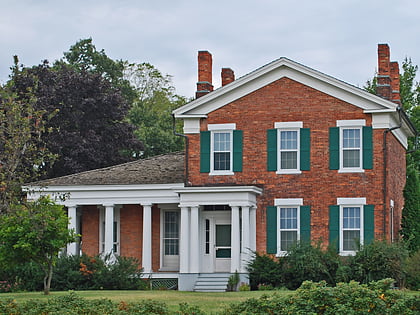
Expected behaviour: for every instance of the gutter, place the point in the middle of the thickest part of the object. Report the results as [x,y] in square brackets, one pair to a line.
[186,174]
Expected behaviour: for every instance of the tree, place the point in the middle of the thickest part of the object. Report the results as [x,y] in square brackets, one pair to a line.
[23,153]
[151,111]
[36,232]
[89,131]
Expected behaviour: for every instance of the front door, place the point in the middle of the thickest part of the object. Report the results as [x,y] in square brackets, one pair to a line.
[222,247]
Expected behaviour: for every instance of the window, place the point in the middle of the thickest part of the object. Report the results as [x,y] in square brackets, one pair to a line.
[351,146]
[116,231]
[351,224]
[288,221]
[288,227]
[288,148]
[171,233]
[221,149]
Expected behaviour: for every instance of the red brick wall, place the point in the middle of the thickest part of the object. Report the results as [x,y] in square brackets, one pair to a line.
[155,238]
[90,230]
[288,100]
[131,227]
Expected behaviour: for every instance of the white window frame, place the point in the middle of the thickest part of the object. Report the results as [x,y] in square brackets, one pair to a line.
[345,125]
[350,202]
[287,203]
[221,128]
[116,244]
[288,126]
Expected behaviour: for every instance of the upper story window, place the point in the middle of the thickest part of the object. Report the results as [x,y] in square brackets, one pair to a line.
[351,146]
[221,149]
[288,148]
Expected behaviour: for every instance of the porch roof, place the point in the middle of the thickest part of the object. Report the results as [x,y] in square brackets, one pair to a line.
[162,169]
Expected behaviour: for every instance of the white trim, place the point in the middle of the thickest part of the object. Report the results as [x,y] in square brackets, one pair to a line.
[221,127]
[191,125]
[351,201]
[288,124]
[351,123]
[288,202]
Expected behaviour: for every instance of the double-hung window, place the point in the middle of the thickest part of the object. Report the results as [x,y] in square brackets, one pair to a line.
[221,149]
[288,148]
[351,146]
[288,222]
[351,224]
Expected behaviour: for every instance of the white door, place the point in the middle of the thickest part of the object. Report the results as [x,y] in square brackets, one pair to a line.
[222,246]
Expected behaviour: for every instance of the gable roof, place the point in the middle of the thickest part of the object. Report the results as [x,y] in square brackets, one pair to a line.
[284,67]
[162,169]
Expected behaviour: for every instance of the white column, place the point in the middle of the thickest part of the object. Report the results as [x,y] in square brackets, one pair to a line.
[194,241]
[109,229]
[245,238]
[235,241]
[253,228]
[72,247]
[184,246]
[147,238]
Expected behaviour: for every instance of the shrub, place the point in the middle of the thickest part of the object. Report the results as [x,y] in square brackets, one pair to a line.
[22,277]
[264,269]
[345,298]
[412,270]
[305,261]
[379,260]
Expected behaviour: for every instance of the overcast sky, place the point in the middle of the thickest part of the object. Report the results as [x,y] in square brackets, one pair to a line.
[336,37]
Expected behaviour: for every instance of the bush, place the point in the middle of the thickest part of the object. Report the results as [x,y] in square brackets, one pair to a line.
[379,260]
[22,277]
[305,261]
[412,270]
[345,298]
[264,269]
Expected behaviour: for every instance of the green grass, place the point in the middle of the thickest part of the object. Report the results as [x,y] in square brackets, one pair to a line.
[208,302]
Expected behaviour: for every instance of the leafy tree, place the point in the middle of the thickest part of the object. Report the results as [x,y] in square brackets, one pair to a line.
[84,57]
[89,131]
[23,153]
[35,232]
[151,111]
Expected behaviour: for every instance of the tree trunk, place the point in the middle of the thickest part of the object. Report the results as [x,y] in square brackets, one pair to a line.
[47,279]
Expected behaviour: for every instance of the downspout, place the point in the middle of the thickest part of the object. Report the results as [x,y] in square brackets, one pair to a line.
[399,110]
[186,174]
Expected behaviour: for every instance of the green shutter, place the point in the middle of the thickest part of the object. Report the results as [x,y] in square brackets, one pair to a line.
[271,230]
[205,151]
[367,148]
[334,148]
[305,146]
[237,150]
[272,150]
[305,223]
[368,223]
[334,226]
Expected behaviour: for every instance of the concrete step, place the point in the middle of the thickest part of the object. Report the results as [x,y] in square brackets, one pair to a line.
[211,283]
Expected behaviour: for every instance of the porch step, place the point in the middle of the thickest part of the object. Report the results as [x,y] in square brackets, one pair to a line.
[212,282]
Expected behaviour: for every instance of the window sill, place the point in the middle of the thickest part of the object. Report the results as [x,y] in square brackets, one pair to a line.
[282,172]
[351,170]
[347,253]
[213,173]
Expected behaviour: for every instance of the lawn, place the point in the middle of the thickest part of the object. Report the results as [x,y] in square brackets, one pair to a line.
[208,302]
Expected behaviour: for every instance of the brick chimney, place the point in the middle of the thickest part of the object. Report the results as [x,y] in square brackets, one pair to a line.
[395,82]
[388,85]
[227,76]
[204,84]
[383,88]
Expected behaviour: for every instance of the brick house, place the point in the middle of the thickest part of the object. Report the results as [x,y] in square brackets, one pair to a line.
[282,154]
